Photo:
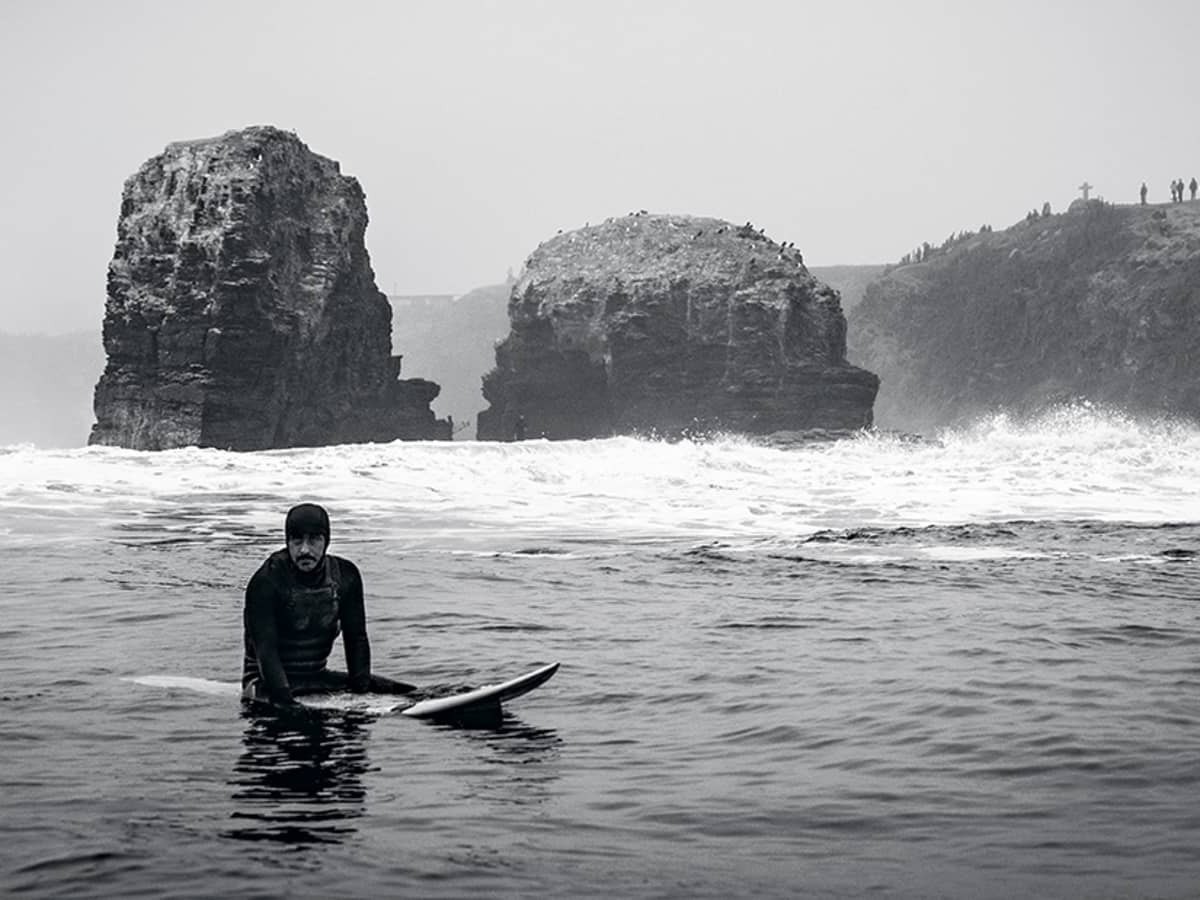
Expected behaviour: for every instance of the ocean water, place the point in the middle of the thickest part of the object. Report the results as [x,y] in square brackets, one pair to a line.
[964,667]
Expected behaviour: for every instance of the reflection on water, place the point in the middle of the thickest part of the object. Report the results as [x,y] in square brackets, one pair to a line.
[498,728]
[299,781]
[519,760]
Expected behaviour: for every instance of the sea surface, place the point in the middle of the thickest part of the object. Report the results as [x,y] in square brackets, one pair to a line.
[967,666]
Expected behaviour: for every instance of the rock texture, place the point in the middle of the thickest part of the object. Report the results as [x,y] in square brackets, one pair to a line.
[671,324]
[1099,304]
[242,310]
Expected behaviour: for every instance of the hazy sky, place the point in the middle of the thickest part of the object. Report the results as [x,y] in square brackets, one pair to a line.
[478,129]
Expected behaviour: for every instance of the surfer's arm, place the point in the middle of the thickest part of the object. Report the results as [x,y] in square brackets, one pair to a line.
[354,632]
[264,634]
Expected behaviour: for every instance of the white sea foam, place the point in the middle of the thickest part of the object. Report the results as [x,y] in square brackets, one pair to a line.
[966,553]
[1076,464]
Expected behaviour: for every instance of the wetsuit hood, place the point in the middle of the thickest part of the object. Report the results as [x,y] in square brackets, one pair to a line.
[307,518]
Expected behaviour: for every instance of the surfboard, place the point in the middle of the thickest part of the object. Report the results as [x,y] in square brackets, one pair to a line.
[482,698]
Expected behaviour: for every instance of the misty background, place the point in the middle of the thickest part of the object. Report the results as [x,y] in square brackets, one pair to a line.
[478,129]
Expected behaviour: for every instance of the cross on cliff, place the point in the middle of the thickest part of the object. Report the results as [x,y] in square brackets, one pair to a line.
[1085,187]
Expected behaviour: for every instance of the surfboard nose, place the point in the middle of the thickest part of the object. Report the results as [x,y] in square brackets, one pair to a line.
[483,697]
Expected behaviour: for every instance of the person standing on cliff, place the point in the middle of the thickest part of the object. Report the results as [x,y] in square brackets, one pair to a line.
[1192,187]
[1143,193]
[297,602]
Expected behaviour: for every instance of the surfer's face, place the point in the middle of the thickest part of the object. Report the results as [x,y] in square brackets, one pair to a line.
[306,550]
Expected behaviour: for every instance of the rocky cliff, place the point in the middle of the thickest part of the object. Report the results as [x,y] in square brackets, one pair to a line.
[668,324]
[242,310]
[1101,303]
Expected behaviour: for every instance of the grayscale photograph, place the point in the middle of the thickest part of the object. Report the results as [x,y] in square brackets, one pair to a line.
[645,449]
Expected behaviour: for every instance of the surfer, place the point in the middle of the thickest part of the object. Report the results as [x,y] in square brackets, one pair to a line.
[296,604]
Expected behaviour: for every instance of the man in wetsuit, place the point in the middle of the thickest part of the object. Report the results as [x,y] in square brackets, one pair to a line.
[296,603]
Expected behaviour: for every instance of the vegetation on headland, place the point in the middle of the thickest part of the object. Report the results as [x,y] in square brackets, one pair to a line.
[1101,303]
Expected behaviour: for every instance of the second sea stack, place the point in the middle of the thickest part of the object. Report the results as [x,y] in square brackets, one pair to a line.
[671,324]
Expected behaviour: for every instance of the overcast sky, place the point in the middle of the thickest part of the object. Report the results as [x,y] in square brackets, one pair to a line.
[478,129]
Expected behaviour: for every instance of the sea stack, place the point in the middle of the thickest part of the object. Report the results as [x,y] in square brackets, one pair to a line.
[242,310]
[671,324]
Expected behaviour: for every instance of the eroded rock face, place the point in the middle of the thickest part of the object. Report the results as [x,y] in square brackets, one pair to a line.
[671,324]
[242,310]
[1100,304]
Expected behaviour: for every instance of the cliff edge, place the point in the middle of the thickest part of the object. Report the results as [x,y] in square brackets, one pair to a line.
[242,311]
[1101,304]
[671,324]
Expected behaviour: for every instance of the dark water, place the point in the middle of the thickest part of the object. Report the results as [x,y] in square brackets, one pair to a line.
[978,709]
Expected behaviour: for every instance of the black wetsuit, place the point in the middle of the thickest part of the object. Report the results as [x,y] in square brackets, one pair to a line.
[291,621]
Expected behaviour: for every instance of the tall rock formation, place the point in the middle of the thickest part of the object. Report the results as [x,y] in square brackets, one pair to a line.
[242,310]
[668,324]
[1100,304]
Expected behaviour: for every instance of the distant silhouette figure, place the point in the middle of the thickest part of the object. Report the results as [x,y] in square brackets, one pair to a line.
[1143,193]
[1192,187]
[519,429]
[1046,208]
